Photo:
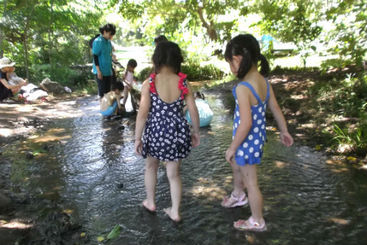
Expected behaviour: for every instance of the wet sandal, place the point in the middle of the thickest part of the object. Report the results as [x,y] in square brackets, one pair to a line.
[234,201]
[249,225]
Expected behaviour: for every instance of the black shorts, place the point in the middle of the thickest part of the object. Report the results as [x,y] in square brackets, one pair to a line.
[5,93]
[104,85]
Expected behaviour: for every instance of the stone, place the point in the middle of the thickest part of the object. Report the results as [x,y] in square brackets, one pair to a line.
[52,87]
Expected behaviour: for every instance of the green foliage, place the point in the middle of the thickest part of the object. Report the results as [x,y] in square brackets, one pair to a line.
[63,75]
[291,21]
[172,17]
[48,32]
[345,99]
[144,74]
[195,72]
[356,138]
[348,38]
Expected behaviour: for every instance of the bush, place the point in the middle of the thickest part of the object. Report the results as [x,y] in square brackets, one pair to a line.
[196,73]
[63,75]
[144,74]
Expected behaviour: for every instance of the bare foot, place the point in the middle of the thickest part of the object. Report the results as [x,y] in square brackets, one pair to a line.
[149,207]
[174,217]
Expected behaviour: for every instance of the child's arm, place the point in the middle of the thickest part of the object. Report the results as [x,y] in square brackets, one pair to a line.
[142,116]
[194,115]
[285,137]
[7,85]
[243,97]
[96,51]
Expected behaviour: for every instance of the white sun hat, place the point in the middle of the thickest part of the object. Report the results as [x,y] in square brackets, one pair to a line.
[6,62]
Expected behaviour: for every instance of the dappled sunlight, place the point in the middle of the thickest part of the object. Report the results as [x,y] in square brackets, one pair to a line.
[208,189]
[334,162]
[340,170]
[299,96]
[307,125]
[280,164]
[339,221]
[14,224]
[250,238]
[68,211]
[279,80]
[5,132]
[55,134]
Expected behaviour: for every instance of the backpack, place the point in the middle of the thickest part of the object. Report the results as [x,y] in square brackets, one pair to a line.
[92,40]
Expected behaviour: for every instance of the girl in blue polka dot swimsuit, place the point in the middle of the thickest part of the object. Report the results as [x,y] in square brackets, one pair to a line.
[167,136]
[252,95]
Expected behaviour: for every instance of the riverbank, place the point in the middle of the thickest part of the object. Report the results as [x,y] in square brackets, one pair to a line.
[18,123]
[308,100]
[37,134]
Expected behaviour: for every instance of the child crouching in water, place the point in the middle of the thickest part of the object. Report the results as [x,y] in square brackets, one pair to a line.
[110,103]
[166,136]
[252,95]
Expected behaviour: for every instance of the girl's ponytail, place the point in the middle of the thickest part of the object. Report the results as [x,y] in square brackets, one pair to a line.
[246,63]
[264,64]
[248,47]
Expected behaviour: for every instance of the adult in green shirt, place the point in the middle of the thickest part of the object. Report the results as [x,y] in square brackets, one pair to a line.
[102,58]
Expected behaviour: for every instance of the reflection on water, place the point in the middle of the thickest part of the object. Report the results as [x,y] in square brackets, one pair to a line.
[306,200]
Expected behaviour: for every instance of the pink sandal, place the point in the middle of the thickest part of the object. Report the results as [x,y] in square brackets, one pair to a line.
[249,225]
[234,201]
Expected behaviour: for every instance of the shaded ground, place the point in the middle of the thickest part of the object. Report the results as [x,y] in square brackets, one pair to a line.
[310,117]
[18,121]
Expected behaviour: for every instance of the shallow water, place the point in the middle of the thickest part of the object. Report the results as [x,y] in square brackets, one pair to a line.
[94,172]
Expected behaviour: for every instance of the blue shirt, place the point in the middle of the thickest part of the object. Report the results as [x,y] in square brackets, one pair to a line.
[103,49]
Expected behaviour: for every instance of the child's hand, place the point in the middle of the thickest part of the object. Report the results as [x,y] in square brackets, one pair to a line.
[138,146]
[230,155]
[99,75]
[195,139]
[286,139]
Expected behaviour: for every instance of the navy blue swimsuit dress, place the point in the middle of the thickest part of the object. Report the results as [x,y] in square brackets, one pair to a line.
[167,134]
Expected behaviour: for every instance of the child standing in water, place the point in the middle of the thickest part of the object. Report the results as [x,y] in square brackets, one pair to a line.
[252,96]
[166,136]
[129,79]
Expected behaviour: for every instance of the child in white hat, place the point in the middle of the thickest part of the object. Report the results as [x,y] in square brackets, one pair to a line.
[10,83]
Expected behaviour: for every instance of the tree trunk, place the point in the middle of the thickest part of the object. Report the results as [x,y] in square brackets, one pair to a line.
[2,35]
[50,38]
[25,47]
[208,26]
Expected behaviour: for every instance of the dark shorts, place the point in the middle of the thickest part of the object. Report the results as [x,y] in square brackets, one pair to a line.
[104,85]
[5,93]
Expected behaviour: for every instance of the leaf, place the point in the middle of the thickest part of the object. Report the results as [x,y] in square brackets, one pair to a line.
[114,233]
[100,239]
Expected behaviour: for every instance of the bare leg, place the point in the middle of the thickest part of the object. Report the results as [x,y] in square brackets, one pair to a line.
[150,179]
[254,195]
[238,184]
[237,198]
[173,174]
[126,93]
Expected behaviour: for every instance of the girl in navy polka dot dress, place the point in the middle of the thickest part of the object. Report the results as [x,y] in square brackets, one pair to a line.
[252,95]
[167,136]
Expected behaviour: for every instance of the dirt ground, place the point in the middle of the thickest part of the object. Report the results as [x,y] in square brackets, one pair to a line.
[18,121]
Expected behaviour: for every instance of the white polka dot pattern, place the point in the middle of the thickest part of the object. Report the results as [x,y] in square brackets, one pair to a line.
[250,151]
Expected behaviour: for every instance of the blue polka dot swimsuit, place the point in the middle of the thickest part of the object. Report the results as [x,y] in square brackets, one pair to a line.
[167,134]
[251,149]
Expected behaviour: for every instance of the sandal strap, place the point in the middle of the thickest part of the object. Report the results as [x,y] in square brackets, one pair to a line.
[238,198]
